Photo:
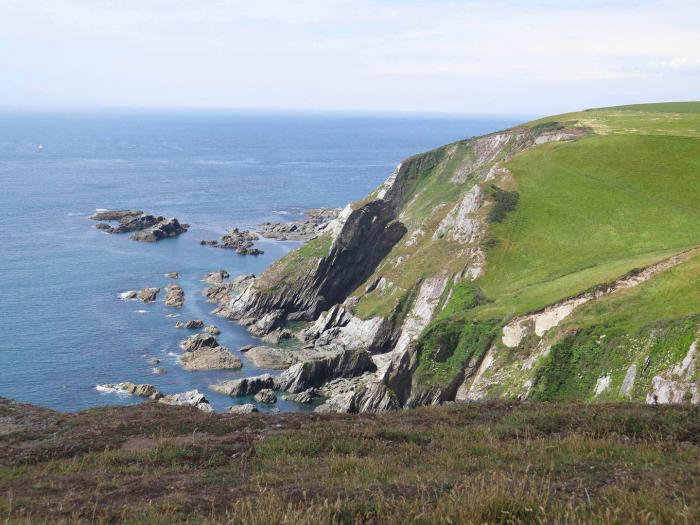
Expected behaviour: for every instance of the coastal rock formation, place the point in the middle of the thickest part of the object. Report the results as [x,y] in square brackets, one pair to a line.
[315,221]
[129,295]
[174,296]
[148,227]
[191,398]
[303,398]
[316,372]
[149,295]
[172,275]
[241,241]
[193,324]
[216,277]
[141,390]
[163,229]
[266,396]
[115,215]
[275,358]
[211,329]
[247,386]
[203,352]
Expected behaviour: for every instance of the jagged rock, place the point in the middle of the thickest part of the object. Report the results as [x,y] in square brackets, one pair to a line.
[239,240]
[102,226]
[129,295]
[316,220]
[278,335]
[163,229]
[315,372]
[192,398]
[245,348]
[193,324]
[216,277]
[158,370]
[246,386]
[174,296]
[211,329]
[172,275]
[247,408]
[203,352]
[149,295]
[266,396]
[114,215]
[304,398]
[133,223]
[141,390]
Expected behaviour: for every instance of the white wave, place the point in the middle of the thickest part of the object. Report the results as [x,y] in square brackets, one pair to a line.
[111,389]
[101,209]
[125,296]
[141,311]
[173,315]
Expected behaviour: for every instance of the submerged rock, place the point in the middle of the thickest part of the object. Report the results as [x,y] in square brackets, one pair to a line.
[172,275]
[149,295]
[266,396]
[102,226]
[174,296]
[192,398]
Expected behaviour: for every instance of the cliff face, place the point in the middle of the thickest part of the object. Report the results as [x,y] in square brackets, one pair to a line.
[450,276]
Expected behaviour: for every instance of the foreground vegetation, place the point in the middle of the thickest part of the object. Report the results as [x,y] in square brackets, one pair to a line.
[460,463]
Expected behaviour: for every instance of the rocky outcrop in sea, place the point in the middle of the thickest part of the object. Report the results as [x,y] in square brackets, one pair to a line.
[144,226]
[240,241]
[203,352]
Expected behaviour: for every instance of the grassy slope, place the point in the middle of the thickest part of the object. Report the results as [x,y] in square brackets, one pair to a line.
[589,211]
[487,463]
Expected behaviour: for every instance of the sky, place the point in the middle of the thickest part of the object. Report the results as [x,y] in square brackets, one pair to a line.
[446,56]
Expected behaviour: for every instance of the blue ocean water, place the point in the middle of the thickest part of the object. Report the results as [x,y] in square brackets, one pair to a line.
[64,327]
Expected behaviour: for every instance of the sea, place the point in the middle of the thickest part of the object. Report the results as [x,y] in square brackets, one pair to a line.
[65,329]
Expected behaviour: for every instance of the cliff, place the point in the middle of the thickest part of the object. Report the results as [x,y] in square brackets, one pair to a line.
[553,260]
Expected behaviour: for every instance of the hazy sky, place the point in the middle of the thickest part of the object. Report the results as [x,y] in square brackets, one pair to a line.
[524,57]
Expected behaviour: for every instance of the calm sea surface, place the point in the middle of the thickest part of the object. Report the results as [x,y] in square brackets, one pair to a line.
[64,327]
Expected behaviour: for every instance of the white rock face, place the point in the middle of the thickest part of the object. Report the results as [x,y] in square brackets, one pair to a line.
[602,384]
[422,311]
[336,225]
[388,183]
[628,382]
[676,386]
[460,224]
[474,390]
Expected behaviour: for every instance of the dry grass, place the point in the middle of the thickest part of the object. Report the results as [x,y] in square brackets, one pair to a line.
[486,463]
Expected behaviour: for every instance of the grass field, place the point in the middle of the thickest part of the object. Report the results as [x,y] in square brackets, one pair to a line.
[478,463]
[588,212]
